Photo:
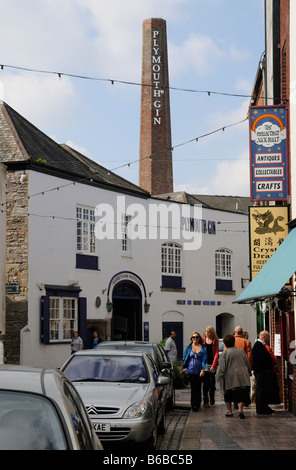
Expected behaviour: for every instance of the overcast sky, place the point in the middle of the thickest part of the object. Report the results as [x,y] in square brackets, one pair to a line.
[213,45]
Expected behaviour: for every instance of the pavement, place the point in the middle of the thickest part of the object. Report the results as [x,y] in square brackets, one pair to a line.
[209,429]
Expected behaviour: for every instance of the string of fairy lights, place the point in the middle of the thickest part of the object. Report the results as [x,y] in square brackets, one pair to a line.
[114,81]
[124,82]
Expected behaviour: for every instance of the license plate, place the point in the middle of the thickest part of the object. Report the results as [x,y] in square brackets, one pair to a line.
[102,427]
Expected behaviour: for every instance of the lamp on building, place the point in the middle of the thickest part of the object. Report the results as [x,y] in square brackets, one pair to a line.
[109,305]
[146,306]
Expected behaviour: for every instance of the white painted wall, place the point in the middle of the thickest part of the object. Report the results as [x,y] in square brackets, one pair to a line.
[52,251]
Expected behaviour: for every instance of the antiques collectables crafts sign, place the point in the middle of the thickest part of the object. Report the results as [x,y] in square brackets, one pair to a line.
[268,148]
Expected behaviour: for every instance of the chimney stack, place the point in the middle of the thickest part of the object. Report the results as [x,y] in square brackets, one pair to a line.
[155,167]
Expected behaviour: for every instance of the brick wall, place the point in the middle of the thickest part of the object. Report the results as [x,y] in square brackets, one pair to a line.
[155,169]
[293,392]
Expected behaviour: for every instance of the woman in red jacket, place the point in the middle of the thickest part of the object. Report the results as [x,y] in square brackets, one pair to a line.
[211,343]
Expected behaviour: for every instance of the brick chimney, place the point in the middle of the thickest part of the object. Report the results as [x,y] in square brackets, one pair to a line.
[155,168]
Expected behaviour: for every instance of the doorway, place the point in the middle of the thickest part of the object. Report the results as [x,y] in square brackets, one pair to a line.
[224,324]
[177,326]
[126,321]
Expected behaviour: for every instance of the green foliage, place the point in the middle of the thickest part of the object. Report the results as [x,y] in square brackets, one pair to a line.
[180,381]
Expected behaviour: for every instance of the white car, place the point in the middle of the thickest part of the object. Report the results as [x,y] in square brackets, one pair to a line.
[40,409]
[122,393]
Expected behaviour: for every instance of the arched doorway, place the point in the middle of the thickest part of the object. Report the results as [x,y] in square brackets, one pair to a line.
[127,311]
[224,324]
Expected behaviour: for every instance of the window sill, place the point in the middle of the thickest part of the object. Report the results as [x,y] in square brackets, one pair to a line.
[173,289]
[225,292]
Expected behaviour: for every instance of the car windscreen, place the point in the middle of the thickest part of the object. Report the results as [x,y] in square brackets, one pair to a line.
[29,422]
[138,347]
[106,369]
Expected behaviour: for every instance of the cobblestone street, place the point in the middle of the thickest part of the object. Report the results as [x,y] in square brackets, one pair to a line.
[176,420]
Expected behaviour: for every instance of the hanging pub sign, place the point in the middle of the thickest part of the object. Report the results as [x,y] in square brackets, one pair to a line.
[268,153]
[268,227]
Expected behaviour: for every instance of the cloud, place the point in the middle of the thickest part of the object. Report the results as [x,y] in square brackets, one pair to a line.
[230,178]
[226,116]
[41,99]
[50,34]
[198,52]
[117,32]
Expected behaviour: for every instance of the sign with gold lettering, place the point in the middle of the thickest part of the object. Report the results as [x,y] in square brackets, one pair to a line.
[268,228]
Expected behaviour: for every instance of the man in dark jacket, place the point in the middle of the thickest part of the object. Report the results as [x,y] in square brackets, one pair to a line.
[262,365]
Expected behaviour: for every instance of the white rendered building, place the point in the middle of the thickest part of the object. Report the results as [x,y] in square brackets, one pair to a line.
[88,250]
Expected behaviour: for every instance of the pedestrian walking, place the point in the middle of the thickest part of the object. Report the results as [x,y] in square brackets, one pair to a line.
[211,343]
[234,372]
[194,360]
[263,366]
[242,342]
[96,339]
[76,343]
[170,347]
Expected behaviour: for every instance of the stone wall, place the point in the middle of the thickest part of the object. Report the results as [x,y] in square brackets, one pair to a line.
[17,227]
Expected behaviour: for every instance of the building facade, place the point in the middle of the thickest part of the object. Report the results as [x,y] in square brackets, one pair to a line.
[275,85]
[86,250]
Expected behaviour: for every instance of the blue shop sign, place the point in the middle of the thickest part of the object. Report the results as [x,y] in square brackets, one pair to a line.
[268,152]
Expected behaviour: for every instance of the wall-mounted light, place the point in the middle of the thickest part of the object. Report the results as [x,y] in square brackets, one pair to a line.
[146,306]
[109,305]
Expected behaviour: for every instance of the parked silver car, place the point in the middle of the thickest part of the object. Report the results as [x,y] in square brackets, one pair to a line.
[122,392]
[159,355]
[40,409]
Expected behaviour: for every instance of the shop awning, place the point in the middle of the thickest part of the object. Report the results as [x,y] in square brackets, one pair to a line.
[274,274]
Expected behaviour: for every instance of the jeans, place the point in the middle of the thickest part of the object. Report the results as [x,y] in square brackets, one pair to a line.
[209,385]
[195,384]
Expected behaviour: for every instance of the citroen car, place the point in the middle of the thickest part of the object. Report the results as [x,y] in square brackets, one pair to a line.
[40,409]
[159,355]
[123,393]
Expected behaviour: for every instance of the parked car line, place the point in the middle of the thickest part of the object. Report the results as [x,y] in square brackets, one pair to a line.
[123,393]
[40,409]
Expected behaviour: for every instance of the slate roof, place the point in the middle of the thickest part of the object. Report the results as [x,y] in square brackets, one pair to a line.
[238,204]
[21,141]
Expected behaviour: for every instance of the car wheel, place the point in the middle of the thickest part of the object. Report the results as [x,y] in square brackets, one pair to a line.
[163,424]
[152,441]
[171,401]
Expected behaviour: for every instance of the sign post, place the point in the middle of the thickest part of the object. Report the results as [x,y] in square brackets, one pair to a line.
[268,153]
